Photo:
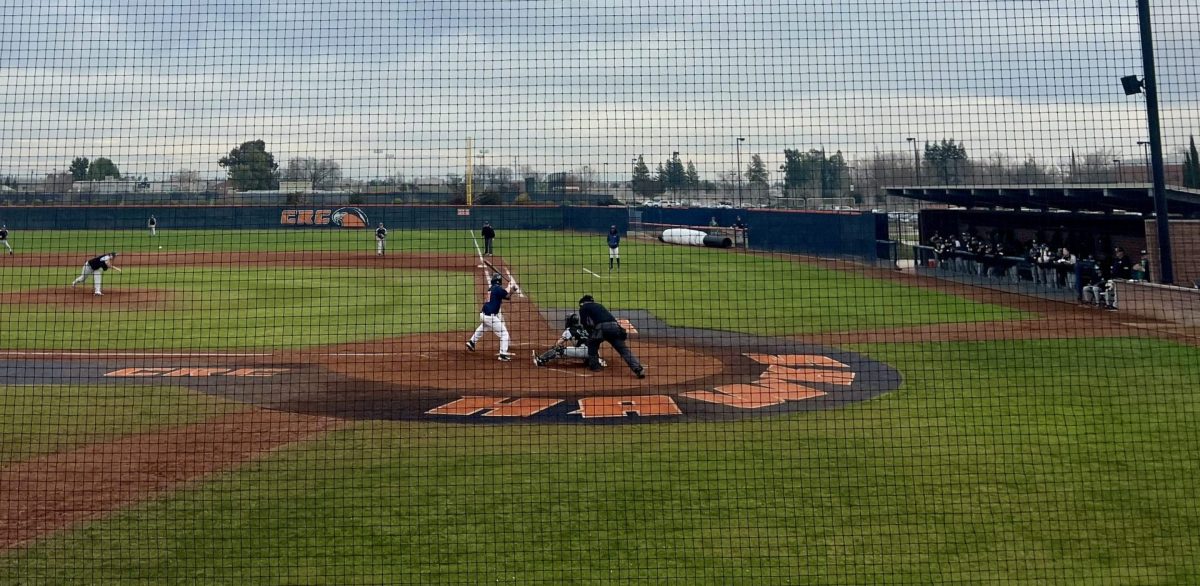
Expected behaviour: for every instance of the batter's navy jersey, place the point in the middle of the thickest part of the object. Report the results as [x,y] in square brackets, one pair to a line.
[496,296]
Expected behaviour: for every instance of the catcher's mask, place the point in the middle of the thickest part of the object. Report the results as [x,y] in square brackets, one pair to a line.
[572,321]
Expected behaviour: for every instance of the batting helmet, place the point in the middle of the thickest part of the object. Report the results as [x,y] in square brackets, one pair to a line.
[497,279]
[572,321]
[586,299]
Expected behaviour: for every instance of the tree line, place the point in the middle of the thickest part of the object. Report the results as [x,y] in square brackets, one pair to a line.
[811,173]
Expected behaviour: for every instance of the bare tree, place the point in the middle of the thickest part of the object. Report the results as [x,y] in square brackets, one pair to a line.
[1093,167]
[322,173]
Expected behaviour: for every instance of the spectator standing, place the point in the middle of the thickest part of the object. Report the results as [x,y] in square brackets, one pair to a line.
[1090,283]
[1120,268]
[1141,269]
[739,231]
[1065,264]
[489,234]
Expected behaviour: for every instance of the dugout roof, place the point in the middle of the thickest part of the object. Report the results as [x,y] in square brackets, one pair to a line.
[1084,197]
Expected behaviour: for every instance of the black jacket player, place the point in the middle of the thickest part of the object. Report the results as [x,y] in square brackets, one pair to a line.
[604,328]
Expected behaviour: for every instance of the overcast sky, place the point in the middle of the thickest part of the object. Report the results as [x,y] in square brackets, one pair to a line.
[398,87]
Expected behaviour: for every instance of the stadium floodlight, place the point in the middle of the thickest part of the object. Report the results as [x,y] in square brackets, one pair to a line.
[916,159]
[1132,85]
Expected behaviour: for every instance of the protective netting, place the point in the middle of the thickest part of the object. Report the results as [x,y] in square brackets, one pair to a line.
[599,292]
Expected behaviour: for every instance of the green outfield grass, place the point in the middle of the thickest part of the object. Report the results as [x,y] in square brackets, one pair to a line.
[687,286]
[998,462]
[40,419]
[211,308]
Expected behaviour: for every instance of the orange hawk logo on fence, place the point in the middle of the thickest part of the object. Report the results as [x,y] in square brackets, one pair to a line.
[341,217]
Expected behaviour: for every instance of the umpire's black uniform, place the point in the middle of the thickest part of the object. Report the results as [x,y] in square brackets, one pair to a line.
[603,327]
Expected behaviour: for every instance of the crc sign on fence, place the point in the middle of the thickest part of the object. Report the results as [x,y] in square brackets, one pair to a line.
[341,217]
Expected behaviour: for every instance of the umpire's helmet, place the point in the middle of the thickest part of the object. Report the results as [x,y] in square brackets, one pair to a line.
[572,321]
[586,299]
[497,279]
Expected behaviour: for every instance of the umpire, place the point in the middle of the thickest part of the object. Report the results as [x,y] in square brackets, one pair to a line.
[603,327]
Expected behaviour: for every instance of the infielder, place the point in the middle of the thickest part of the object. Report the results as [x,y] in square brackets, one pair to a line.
[152,224]
[604,328]
[380,239]
[4,238]
[614,248]
[95,267]
[490,318]
[571,344]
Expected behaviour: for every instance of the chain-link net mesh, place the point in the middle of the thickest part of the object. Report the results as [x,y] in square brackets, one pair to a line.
[599,292]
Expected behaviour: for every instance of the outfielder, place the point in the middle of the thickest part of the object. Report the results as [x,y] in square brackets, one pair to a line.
[380,239]
[490,318]
[614,248]
[571,344]
[4,238]
[95,267]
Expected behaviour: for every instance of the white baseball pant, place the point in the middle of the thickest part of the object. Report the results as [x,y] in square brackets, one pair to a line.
[87,270]
[493,323]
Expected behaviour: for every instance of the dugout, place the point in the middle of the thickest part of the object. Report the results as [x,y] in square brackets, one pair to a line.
[1084,233]
[1089,219]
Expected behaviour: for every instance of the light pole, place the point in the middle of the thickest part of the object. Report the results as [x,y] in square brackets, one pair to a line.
[671,172]
[739,142]
[481,155]
[1149,85]
[916,160]
[1120,176]
[1145,144]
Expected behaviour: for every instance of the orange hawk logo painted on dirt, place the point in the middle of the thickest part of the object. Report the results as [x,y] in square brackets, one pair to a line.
[341,217]
[787,378]
[175,371]
[753,376]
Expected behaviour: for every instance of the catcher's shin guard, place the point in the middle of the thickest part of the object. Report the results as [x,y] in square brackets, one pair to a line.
[545,357]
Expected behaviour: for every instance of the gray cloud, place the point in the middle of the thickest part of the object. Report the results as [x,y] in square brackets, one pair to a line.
[551,84]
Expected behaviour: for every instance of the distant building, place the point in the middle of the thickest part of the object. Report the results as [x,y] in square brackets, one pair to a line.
[295,186]
[107,186]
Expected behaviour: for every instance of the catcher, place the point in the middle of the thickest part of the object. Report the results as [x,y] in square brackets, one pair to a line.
[571,344]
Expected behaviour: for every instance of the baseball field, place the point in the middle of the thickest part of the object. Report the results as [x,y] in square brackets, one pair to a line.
[285,406]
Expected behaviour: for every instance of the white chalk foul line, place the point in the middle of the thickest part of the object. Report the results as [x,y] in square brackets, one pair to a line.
[567,372]
[513,280]
[108,354]
[592,274]
[137,355]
